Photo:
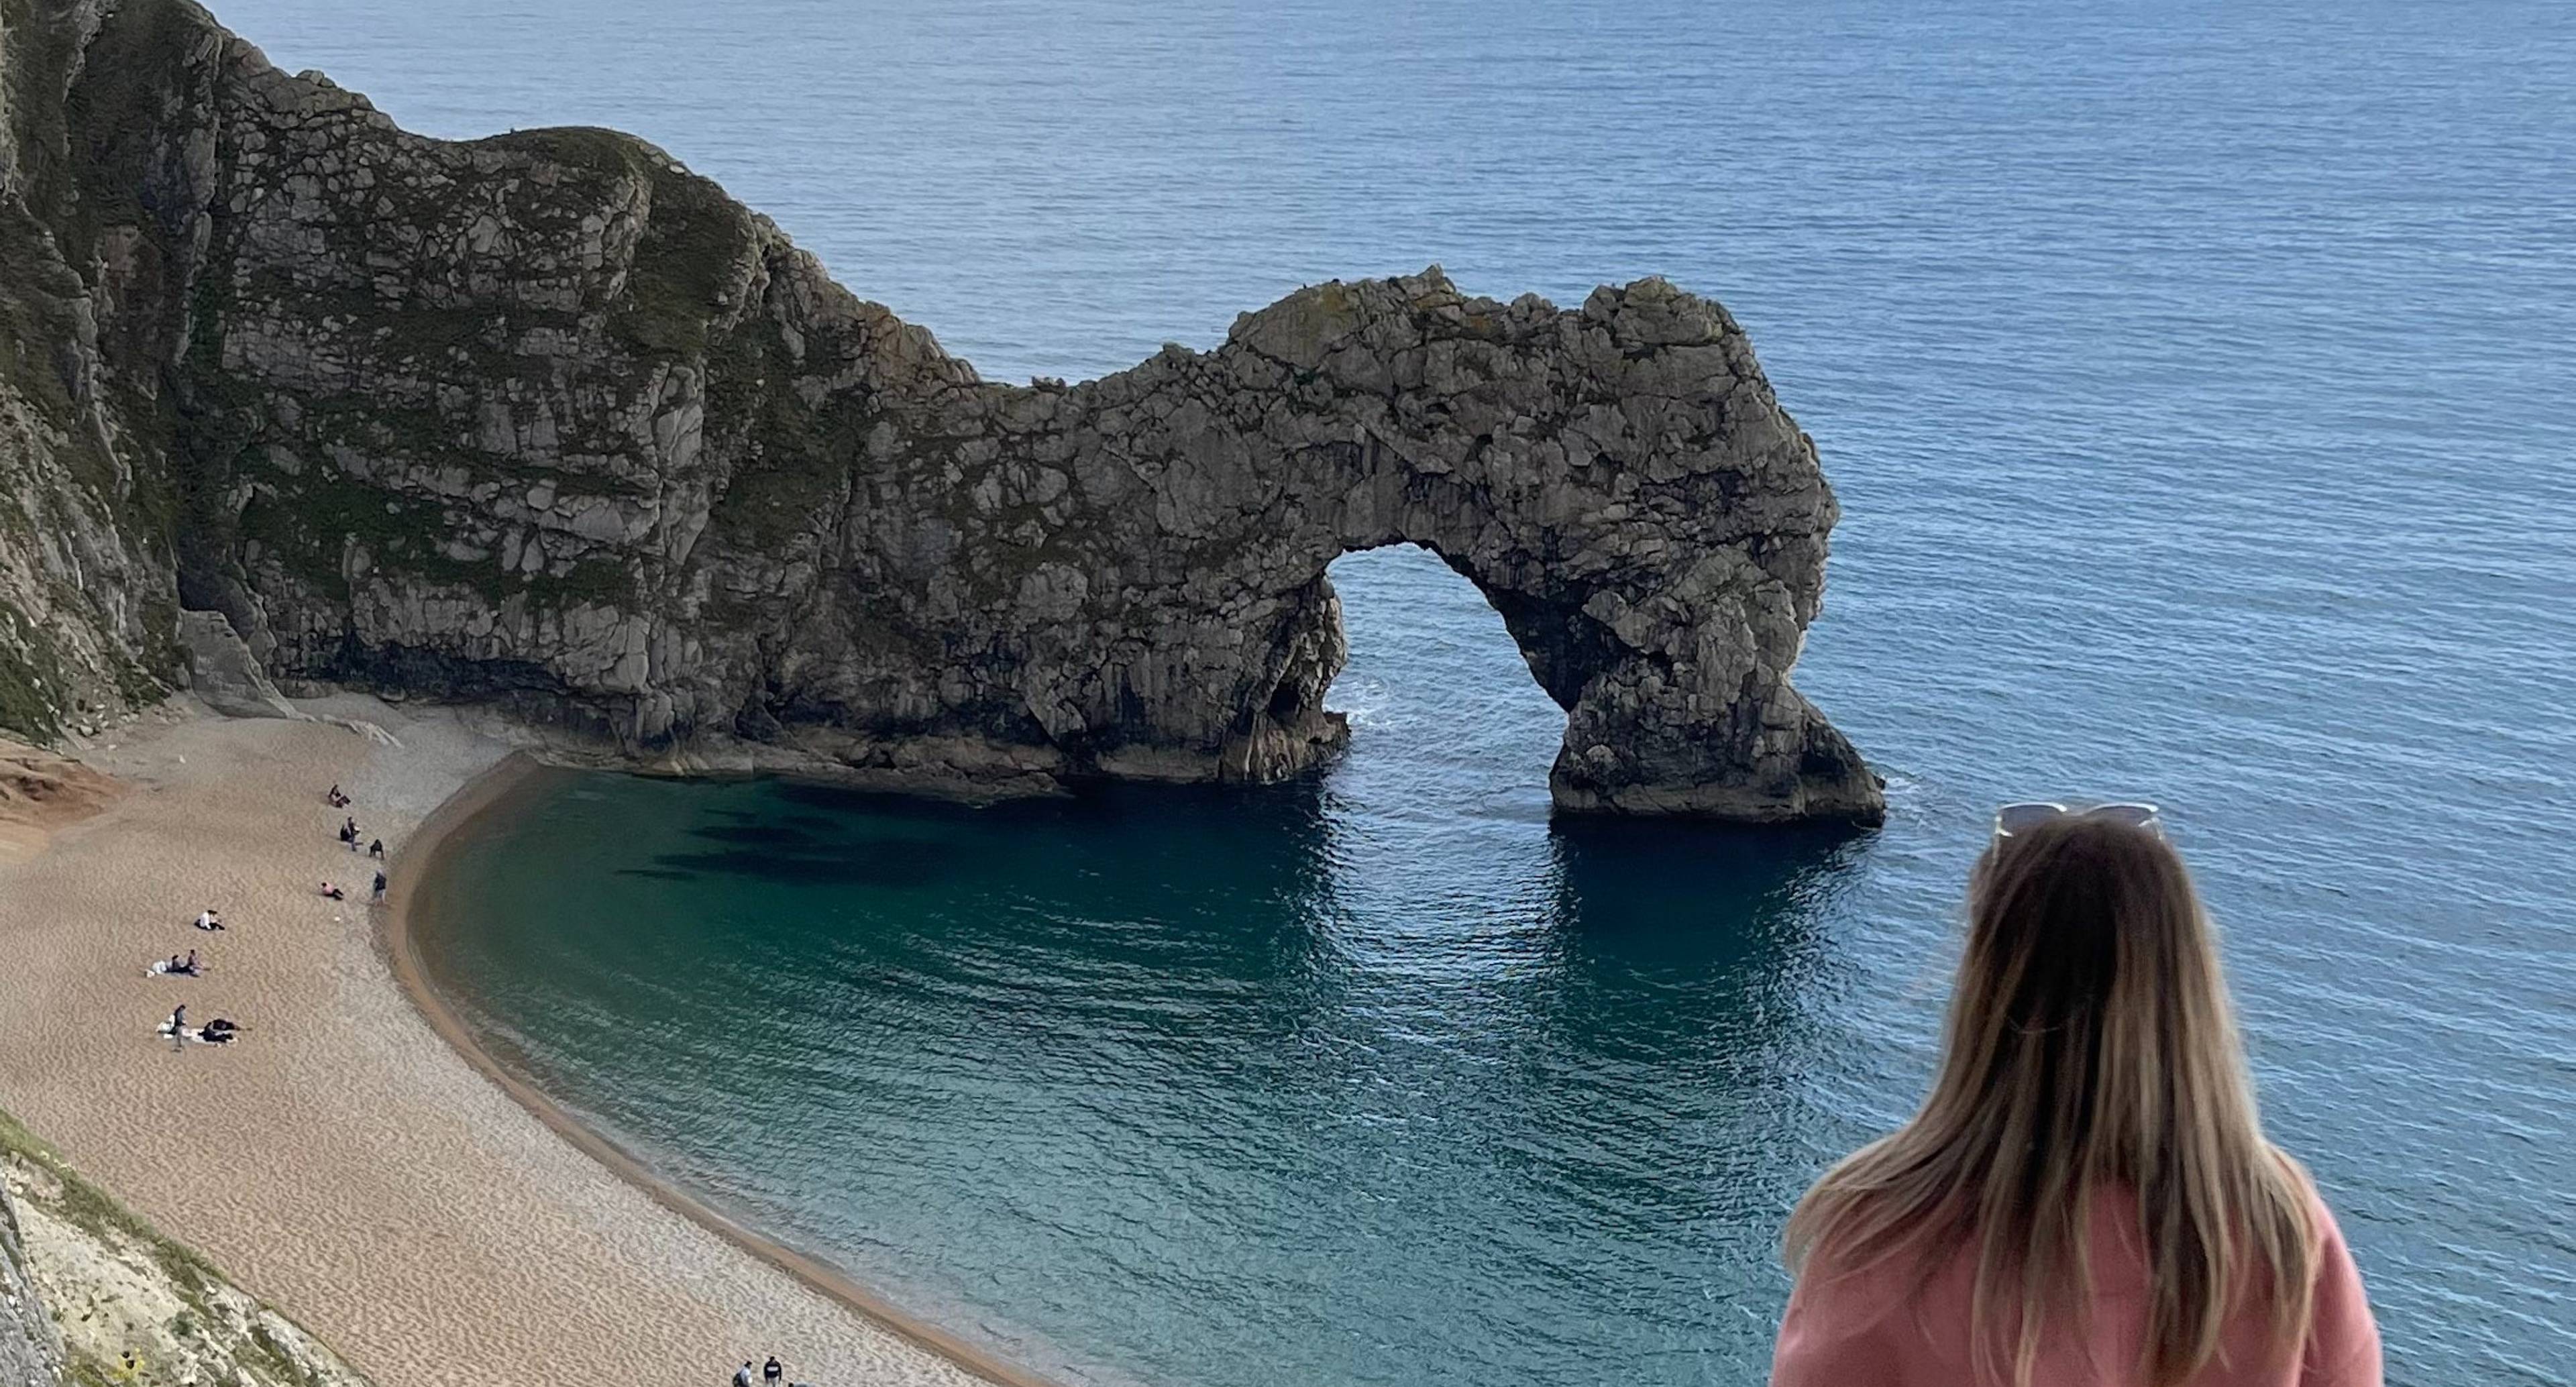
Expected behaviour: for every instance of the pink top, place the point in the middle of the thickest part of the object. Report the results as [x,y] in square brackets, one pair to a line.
[1874,1329]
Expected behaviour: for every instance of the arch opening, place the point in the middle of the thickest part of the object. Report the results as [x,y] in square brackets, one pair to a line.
[1437,694]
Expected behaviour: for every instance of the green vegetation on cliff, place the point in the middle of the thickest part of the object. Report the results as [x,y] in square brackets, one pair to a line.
[115,1286]
[545,416]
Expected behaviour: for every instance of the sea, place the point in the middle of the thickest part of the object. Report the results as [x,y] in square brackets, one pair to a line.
[2199,382]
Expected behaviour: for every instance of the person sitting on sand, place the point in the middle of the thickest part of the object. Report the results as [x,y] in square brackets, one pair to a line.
[191,966]
[219,1032]
[333,892]
[335,799]
[209,919]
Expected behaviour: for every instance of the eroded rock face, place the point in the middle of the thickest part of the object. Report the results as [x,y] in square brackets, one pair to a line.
[222,673]
[31,1348]
[548,421]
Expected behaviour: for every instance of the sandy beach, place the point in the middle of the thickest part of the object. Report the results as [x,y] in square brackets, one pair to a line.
[343,1160]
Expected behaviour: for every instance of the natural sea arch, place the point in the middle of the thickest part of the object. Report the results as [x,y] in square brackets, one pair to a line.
[1617,481]
[600,445]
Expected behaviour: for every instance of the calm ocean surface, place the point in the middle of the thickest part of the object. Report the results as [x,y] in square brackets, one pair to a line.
[2197,379]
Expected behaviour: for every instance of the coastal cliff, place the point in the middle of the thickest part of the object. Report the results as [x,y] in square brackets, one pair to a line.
[91,1294]
[546,422]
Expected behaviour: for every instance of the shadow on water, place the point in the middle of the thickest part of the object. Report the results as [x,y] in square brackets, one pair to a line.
[1693,897]
[778,835]
[1687,927]
[1648,880]
[1497,1060]
[890,862]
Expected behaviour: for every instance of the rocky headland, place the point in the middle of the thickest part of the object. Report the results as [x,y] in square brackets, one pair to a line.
[547,422]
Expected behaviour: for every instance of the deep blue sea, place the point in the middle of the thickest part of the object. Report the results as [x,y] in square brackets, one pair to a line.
[2199,380]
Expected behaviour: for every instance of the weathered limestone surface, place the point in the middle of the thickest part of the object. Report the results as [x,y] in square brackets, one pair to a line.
[91,1294]
[547,421]
[222,672]
[31,1348]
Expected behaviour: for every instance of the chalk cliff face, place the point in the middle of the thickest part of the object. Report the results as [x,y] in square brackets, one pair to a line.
[547,421]
[31,1348]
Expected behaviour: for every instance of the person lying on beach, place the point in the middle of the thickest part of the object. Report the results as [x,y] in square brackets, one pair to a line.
[175,967]
[333,892]
[208,919]
[218,1032]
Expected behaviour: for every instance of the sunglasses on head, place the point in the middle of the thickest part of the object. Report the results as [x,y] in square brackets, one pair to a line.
[2021,818]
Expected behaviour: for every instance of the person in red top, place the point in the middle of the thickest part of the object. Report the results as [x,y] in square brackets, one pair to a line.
[2086,1198]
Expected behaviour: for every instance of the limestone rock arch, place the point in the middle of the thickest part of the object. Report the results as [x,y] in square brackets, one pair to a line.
[1618,481]
[547,421]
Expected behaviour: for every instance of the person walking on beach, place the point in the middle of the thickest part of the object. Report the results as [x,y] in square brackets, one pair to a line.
[379,893]
[770,1372]
[376,849]
[2086,1195]
[742,1375]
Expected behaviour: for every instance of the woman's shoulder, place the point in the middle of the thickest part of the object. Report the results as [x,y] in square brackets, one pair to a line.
[1865,1317]
[2343,1336]
[1837,1329]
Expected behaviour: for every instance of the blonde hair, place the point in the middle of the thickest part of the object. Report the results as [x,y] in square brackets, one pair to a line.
[2089,1047]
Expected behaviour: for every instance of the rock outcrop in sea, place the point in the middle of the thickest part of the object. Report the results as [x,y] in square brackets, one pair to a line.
[548,422]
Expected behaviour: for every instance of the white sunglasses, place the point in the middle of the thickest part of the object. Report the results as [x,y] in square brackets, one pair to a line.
[2023,817]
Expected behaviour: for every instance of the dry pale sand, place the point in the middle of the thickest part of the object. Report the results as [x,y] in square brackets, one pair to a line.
[341,1159]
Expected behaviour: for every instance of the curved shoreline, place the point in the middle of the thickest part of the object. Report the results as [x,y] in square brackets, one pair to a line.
[420,852]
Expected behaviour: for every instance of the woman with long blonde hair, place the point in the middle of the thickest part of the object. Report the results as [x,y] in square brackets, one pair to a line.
[2086,1196]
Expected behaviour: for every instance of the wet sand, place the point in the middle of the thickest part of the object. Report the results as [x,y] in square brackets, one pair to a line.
[343,1160]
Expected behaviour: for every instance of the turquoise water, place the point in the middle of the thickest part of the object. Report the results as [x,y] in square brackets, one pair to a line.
[2195,377]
